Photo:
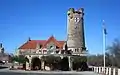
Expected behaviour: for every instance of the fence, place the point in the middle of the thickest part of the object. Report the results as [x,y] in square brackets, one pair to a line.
[108,70]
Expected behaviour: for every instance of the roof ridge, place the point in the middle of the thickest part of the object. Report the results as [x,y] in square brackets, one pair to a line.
[36,40]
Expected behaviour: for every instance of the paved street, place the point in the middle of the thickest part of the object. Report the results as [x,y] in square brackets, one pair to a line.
[21,72]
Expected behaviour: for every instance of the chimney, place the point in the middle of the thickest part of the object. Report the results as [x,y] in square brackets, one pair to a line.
[29,39]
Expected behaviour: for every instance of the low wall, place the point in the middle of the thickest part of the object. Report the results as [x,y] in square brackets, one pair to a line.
[108,70]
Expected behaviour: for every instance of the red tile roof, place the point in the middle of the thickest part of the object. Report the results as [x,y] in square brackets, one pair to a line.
[61,43]
[33,43]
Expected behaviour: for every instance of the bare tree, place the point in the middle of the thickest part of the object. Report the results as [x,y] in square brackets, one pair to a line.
[114,51]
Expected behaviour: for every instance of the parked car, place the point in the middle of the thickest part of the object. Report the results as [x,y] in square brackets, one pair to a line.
[2,63]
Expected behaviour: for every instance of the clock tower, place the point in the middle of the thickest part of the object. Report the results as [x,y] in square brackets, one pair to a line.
[75,31]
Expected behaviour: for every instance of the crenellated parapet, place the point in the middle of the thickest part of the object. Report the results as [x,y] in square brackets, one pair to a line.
[72,11]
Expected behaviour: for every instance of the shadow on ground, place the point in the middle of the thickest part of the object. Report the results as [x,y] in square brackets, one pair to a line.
[1,67]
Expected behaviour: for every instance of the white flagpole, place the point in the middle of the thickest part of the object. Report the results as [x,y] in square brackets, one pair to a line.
[104,43]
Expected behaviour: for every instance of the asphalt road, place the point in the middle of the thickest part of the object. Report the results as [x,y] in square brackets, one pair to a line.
[12,73]
[21,72]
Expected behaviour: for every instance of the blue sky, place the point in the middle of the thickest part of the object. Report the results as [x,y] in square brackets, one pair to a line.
[39,19]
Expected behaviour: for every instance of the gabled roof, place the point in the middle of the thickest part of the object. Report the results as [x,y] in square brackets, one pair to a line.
[52,39]
[33,43]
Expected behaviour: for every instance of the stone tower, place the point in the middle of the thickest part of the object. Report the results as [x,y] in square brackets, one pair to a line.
[75,31]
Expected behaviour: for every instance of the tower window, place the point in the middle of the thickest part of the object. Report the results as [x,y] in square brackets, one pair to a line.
[68,14]
[71,17]
[77,19]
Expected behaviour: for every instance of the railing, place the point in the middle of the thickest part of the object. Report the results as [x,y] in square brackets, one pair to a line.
[108,70]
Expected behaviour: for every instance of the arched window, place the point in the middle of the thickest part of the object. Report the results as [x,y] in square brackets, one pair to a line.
[57,51]
[40,46]
[51,47]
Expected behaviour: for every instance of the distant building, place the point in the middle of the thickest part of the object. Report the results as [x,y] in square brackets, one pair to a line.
[3,56]
[1,48]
